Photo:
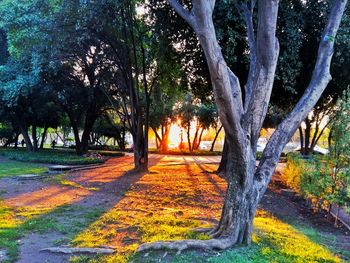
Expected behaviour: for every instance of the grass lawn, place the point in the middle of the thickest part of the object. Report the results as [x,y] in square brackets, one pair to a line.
[14,224]
[59,156]
[11,168]
[155,206]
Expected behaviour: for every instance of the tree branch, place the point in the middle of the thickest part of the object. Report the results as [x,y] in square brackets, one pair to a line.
[184,13]
[319,81]
[248,18]
[267,50]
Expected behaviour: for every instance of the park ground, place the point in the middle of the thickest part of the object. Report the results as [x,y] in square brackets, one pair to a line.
[110,207]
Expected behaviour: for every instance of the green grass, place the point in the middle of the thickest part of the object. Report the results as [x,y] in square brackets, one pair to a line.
[273,241]
[66,219]
[58,156]
[12,168]
[110,153]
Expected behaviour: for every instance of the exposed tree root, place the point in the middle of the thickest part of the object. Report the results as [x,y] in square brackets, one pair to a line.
[203,229]
[219,243]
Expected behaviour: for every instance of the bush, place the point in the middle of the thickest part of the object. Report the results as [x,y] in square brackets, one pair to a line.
[317,180]
[291,175]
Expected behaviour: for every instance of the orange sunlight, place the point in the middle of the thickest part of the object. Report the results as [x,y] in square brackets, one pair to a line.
[174,136]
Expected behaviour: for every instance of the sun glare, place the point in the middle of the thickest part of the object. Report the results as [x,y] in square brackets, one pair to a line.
[174,136]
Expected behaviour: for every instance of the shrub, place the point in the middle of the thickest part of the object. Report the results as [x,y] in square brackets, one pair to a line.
[292,173]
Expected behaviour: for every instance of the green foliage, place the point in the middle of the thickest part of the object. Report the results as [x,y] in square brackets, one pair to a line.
[318,179]
[315,181]
[339,156]
[207,115]
[326,179]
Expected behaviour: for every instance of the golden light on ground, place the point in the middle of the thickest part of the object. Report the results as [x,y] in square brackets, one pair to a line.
[178,195]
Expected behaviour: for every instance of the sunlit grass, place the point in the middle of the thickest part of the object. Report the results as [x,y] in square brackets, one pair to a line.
[168,205]
[273,241]
[66,219]
[280,240]
[61,179]
[57,156]
[12,168]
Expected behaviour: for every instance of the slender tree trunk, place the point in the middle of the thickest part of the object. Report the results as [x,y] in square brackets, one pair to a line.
[189,138]
[200,138]
[43,138]
[315,136]
[78,146]
[195,139]
[35,139]
[145,156]
[16,140]
[157,138]
[301,138]
[307,136]
[165,140]
[215,138]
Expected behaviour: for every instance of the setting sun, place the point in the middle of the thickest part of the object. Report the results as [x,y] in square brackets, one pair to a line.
[175,135]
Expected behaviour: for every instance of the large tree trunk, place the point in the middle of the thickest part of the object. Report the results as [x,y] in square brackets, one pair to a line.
[241,199]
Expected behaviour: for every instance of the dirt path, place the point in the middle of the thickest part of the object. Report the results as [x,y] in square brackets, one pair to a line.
[176,186]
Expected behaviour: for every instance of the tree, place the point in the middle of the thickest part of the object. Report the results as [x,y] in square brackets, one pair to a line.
[110,127]
[206,117]
[242,113]
[26,101]
[339,192]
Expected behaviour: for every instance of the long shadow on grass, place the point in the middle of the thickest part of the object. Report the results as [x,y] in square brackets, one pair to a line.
[42,205]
